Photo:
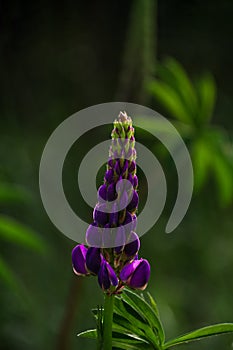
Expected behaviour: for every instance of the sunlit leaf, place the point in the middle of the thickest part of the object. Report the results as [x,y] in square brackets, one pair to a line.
[206,90]
[91,334]
[172,73]
[10,193]
[146,311]
[140,327]
[224,178]
[169,99]
[15,232]
[200,333]
[201,159]
[7,275]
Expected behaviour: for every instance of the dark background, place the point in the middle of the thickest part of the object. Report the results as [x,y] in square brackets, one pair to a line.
[55,59]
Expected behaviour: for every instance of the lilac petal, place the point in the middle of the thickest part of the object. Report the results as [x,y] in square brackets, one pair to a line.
[93,236]
[109,175]
[133,246]
[112,275]
[108,241]
[117,167]
[107,276]
[79,259]
[100,216]
[128,270]
[111,163]
[125,167]
[102,193]
[135,181]
[103,278]
[93,260]
[111,194]
[141,275]
[131,179]
[134,202]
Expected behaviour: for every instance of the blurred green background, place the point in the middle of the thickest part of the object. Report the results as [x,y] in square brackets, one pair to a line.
[57,58]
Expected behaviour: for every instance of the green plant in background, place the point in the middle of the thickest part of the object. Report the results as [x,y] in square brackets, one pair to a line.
[14,232]
[192,105]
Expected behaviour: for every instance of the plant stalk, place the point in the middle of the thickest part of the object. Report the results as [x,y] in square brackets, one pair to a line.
[108,318]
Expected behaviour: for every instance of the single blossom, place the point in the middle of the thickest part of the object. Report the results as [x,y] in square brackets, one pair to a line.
[79,260]
[107,276]
[136,274]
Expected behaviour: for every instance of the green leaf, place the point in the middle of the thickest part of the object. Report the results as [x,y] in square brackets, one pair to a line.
[7,275]
[130,344]
[91,334]
[10,193]
[224,178]
[201,158]
[153,304]
[146,311]
[200,333]
[206,90]
[13,231]
[169,99]
[119,342]
[172,73]
[136,324]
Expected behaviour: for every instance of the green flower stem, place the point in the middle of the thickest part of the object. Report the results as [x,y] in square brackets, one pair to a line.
[108,318]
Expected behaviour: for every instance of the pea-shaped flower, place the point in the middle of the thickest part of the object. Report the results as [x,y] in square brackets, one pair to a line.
[136,274]
[79,260]
[93,260]
[107,276]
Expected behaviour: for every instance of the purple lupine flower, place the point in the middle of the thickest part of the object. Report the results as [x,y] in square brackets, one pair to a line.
[107,276]
[115,220]
[79,260]
[93,260]
[136,274]
[132,248]
[93,235]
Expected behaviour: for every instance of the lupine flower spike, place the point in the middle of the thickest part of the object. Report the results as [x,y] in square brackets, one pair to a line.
[112,246]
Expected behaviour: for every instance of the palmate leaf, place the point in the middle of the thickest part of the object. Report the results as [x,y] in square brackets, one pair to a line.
[136,324]
[120,341]
[206,91]
[172,73]
[200,333]
[169,99]
[145,311]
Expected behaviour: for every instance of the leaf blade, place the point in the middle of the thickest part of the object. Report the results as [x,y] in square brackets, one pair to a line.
[207,331]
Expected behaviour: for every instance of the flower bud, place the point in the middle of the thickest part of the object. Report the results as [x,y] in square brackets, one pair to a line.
[134,202]
[136,274]
[107,276]
[109,175]
[133,246]
[93,260]
[102,193]
[94,235]
[100,216]
[79,260]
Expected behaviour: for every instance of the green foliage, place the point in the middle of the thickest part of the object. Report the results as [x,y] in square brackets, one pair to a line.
[192,105]
[14,232]
[136,324]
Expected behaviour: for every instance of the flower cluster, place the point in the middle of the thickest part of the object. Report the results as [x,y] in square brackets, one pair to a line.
[112,244]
